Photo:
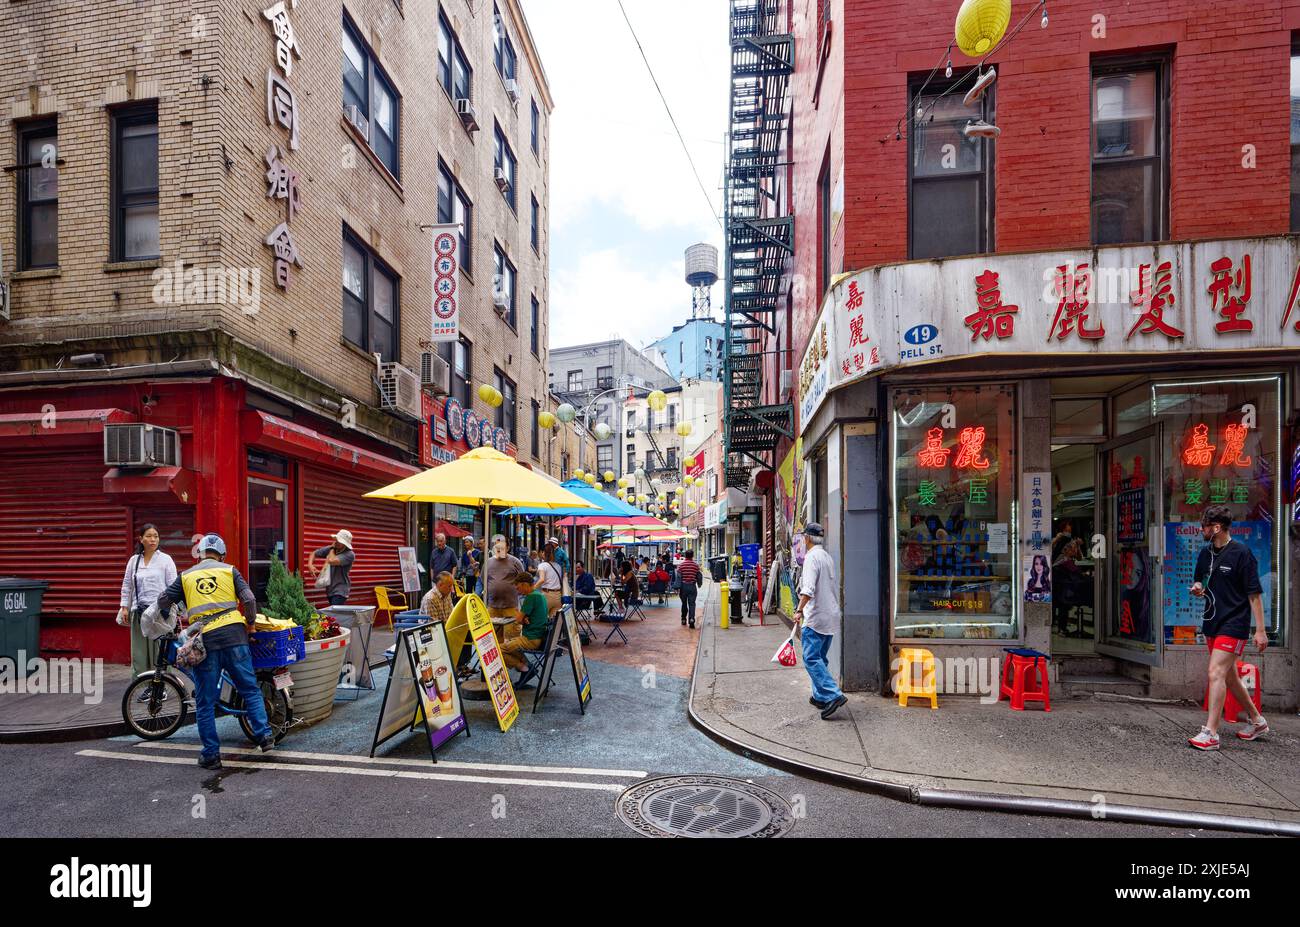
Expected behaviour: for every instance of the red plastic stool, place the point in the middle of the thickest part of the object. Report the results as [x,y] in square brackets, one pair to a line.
[1024,679]
[1232,712]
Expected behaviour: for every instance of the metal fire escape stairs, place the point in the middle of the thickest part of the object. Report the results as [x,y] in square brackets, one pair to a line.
[758,243]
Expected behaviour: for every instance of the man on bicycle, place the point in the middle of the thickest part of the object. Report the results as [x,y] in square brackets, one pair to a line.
[212,591]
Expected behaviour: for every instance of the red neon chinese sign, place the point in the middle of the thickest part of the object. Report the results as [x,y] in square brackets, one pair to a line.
[971,449]
[934,456]
[1234,441]
[1199,452]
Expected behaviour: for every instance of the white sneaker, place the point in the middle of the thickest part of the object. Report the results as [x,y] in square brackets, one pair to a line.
[1254,729]
[1206,740]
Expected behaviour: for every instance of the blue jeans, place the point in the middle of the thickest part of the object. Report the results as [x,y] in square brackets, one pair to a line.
[815,648]
[238,664]
[688,593]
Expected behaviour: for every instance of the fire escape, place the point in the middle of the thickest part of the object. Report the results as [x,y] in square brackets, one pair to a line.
[758,242]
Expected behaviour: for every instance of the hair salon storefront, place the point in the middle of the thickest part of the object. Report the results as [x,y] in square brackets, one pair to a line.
[1024,444]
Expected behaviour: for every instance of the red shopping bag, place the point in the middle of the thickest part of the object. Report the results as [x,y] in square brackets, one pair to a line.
[785,654]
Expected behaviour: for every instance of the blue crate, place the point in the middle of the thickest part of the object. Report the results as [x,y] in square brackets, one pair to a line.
[749,554]
[277,648]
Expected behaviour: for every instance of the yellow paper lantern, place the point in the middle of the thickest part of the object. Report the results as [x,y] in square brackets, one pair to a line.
[609,476]
[657,400]
[624,481]
[622,493]
[591,479]
[643,498]
[579,474]
[490,394]
[684,428]
[546,420]
[981,25]
[692,504]
[688,462]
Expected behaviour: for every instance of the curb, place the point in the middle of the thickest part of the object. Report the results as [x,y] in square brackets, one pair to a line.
[985,801]
[59,735]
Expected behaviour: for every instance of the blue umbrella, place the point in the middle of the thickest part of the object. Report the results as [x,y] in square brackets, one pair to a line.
[607,505]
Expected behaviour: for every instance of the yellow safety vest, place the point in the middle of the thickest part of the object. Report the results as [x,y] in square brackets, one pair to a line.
[210,590]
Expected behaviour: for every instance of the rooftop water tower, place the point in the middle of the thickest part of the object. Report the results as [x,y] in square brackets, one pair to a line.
[701,274]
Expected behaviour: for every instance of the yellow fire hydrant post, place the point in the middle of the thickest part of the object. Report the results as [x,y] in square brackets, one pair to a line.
[724,619]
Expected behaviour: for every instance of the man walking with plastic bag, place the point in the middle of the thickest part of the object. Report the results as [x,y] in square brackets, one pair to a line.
[819,614]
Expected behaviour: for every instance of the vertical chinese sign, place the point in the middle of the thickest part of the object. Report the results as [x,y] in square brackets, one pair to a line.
[446,299]
[1036,535]
[282,181]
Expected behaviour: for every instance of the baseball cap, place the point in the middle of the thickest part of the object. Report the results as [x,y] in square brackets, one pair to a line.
[814,529]
[344,537]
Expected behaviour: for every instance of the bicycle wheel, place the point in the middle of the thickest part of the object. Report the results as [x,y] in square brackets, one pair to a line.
[154,707]
[279,711]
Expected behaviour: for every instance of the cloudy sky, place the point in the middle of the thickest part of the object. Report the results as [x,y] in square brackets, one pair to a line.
[624,204]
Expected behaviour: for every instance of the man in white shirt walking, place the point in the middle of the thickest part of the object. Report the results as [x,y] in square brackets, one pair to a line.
[819,614]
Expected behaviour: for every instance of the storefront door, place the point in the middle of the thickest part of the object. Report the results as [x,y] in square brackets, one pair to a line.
[267,531]
[1130,508]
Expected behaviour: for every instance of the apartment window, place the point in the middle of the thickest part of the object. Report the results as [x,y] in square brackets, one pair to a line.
[672,416]
[950,198]
[1295,137]
[135,183]
[672,458]
[370,306]
[631,458]
[537,431]
[506,411]
[575,380]
[604,457]
[824,227]
[536,233]
[38,195]
[366,87]
[681,352]
[1129,152]
[454,206]
[631,422]
[708,343]
[454,72]
[504,282]
[604,378]
[536,135]
[564,466]
[536,326]
[459,355]
[504,51]
[649,419]
[504,160]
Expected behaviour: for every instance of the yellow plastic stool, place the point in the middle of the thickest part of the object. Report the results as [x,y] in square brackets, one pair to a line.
[909,658]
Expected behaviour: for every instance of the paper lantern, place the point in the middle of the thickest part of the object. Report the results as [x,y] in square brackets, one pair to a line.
[643,498]
[579,474]
[640,473]
[566,413]
[981,25]
[684,428]
[602,431]
[546,420]
[688,462]
[624,482]
[490,394]
[591,479]
[658,399]
[692,504]
[622,493]
[609,476]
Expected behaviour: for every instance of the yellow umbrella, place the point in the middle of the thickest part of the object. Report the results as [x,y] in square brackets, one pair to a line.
[486,477]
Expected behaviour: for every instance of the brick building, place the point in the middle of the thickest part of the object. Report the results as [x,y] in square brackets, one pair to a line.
[249,159]
[1008,329]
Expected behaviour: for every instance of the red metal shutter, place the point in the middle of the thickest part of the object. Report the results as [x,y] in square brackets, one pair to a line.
[334,500]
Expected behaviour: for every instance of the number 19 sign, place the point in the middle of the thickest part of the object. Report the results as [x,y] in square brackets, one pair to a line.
[446,299]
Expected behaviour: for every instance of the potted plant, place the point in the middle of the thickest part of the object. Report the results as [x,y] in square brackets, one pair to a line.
[316,676]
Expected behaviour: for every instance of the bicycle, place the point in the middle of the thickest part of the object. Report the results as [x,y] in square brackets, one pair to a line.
[155,704]
[749,593]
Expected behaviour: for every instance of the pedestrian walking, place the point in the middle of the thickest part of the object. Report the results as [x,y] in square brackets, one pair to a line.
[212,592]
[443,559]
[148,572]
[561,555]
[338,560]
[550,582]
[499,574]
[819,615]
[471,563]
[689,576]
[1227,578]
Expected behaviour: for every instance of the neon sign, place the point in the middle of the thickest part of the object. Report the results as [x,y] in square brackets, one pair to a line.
[1199,452]
[972,447]
[935,455]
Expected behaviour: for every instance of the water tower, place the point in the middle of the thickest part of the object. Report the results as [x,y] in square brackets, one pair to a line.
[701,274]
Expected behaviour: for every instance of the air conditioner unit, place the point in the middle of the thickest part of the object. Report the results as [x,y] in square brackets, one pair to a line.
[435,374]
[141,445]
[358,119]
[787,383]
[500,298]
[512,90]
[465,110]
[399,390]
[503,180]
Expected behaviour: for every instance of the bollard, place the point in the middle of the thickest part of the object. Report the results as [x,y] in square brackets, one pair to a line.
[724,620]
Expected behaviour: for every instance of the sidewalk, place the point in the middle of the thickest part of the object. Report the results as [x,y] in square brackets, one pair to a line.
[1131,754]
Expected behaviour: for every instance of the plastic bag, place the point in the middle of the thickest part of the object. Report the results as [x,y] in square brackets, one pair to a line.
[153,625]
[323,580]
[785,654]
[191,652]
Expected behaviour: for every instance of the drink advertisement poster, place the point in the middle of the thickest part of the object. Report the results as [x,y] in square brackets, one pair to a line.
[1183,544]
[410,571]
[494,667]
[435,678]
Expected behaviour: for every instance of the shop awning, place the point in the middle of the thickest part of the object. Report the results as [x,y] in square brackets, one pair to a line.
[59,423]
[452,531]
[285,437]
[153,485]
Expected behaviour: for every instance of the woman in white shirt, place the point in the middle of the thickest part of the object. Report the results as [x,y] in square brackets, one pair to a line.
[549,580]
[148,573]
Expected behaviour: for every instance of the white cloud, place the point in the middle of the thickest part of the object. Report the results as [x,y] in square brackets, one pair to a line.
[609,294]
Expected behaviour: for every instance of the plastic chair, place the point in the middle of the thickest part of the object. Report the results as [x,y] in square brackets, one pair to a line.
[905,683]
[1024,678]
[389,602]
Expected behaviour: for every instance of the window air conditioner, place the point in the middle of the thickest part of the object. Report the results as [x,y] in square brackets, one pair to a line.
[435,373]
[500,298]
[512,90]
[787,383]
[399,390]
[503,180]
[468,118]
[358,119]
[141,445]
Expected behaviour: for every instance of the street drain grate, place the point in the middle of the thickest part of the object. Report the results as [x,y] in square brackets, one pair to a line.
[704,806]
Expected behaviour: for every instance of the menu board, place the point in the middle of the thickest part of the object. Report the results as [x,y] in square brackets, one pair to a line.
[410,569]
[490,659]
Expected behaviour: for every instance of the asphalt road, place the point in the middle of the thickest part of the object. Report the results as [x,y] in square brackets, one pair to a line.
[557,773]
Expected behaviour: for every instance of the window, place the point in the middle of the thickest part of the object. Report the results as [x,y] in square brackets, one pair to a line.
[135,183]
[681,352]
[672,416]
[507,166]
[604,378]
[38,195]
[708,343]
[604,457]
[1129,153]
[564,466]
[575,380]
[366,87]
[631,459]
[504,282]
[649,419]
[672,458]
[459,356]
[535,327]
[631,422]
[537,431]
[454,72]
[454,206]
[536,235]
[504,51]
[370,306]
[536,134]
[506,411]
[950,197]
[1295,138]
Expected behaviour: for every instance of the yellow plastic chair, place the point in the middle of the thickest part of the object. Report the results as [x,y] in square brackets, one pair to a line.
[389,605]
[906,684]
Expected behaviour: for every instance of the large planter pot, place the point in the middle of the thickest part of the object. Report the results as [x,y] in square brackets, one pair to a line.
[316,677]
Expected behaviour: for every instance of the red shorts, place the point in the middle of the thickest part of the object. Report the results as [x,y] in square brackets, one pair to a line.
[1233,645]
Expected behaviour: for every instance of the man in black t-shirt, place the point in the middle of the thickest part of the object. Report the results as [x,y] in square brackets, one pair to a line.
[1227,577]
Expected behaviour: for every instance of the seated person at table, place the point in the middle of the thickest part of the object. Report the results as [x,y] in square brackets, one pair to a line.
[631,589]
[437,602]
[530,633]
[584,585]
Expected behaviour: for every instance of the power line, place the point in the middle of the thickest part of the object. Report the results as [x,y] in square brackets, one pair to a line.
[669,110]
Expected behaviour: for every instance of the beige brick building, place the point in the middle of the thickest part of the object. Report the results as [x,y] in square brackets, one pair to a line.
[266,385]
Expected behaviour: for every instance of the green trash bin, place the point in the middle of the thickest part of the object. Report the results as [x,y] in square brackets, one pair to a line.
[20,619]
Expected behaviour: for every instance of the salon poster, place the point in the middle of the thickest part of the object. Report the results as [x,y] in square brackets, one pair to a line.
[410,570]
[435,678]
[489,656]
[1183,544]
[1036,536]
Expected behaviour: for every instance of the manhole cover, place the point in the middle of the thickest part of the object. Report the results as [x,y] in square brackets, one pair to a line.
[704,806]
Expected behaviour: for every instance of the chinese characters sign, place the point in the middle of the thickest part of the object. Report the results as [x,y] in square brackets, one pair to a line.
[446,265]
[282,181]
[1036,535]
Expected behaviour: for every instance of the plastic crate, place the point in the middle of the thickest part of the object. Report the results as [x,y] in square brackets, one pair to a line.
[270,649]
[749,554]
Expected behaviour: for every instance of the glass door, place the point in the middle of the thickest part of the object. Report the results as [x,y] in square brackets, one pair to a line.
[268,513]
[1130,503]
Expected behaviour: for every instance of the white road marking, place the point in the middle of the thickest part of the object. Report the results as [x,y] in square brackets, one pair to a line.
[356,771]
[395,761]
